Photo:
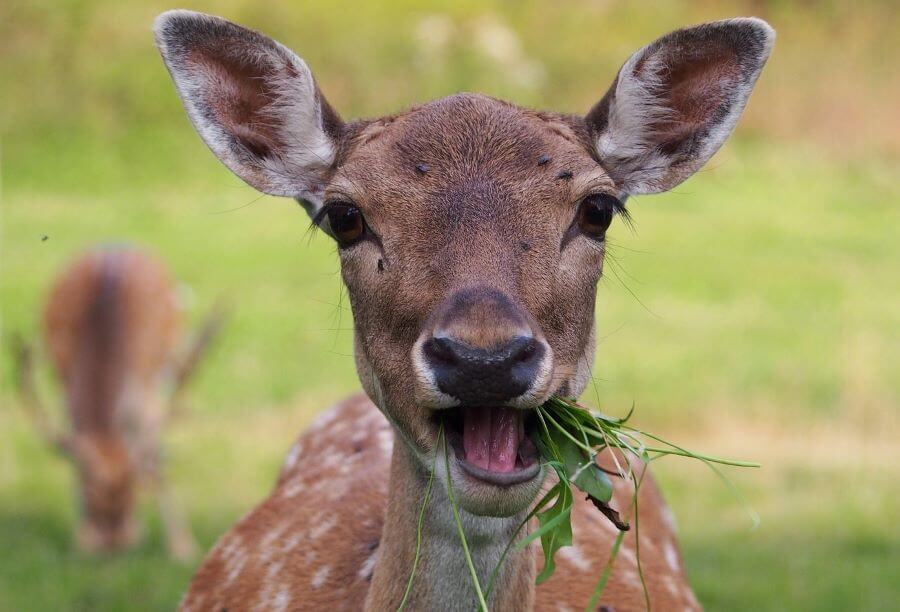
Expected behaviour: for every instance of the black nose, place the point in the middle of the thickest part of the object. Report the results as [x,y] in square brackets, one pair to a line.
[478,376]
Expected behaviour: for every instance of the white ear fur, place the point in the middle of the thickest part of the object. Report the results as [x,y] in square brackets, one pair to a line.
[649,143]
[253,101]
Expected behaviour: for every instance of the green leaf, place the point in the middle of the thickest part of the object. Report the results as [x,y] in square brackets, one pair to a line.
[569,438]
[595,483]
[556,527]
[580,468]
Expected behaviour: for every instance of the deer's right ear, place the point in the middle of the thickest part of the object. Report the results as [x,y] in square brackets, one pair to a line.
[253,101]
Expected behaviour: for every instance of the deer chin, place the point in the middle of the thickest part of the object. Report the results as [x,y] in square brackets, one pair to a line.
[494,465]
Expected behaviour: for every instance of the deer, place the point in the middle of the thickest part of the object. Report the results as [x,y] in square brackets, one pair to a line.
[471,235]
[111,331]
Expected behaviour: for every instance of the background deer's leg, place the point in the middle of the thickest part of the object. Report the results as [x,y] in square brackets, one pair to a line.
[179,539]
[23,358]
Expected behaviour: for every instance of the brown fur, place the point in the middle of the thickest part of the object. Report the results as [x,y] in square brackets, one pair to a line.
[473,236]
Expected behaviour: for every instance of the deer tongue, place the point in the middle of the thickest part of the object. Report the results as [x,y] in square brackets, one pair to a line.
[491,437]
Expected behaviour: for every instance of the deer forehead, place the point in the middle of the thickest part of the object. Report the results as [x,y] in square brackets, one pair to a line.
[466,149]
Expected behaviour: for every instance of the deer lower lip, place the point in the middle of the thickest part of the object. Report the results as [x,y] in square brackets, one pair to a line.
[491,443]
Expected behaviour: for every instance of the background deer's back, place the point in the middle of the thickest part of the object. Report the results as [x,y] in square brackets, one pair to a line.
[110,326]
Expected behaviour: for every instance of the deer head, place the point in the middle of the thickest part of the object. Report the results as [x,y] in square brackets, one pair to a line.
[471,232]
[107,490]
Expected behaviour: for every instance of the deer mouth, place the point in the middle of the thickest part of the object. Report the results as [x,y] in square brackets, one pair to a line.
[493,443]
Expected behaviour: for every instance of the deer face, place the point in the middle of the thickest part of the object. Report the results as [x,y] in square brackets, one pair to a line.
[471,240]
[471,232]
[107,494]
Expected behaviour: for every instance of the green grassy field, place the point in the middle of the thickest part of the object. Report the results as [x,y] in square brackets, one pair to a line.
[752,312]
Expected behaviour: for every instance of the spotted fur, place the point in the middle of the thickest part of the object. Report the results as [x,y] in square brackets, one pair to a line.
[314,542]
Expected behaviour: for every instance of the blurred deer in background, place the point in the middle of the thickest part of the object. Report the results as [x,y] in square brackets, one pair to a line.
[111,328]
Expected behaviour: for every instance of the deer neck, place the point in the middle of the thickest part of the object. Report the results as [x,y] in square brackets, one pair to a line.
[443,580]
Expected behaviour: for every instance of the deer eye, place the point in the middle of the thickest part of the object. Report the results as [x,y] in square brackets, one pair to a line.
[345,223]
[595,214]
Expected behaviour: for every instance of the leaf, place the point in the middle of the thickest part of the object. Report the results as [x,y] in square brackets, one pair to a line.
[557,525]
[594,481]
[569,439]
[580,468]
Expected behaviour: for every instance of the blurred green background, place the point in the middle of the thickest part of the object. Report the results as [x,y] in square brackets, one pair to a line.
[753,312]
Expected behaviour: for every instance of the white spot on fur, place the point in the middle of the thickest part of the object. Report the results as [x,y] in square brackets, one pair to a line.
[233,568]
[631,577]
[292,542]
[575,557]
[368,566]
[671,586]
[323,527]
[337,490]
[293,488]
[291,460]
[269,584]
[385,439]
[671,556]
[669,519]
[331,461]
[320,576]
[326,419]
[266,545]
[234,557]
[627,555]
[282,600]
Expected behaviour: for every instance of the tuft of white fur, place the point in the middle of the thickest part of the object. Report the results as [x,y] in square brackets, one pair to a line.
[628,144]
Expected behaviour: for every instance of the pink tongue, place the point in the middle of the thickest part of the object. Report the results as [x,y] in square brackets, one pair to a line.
[491,437]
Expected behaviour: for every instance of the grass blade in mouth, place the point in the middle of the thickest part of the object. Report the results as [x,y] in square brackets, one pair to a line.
[482,605]
[569,439]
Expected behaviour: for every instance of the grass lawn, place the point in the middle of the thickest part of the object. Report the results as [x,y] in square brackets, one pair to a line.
[751,313]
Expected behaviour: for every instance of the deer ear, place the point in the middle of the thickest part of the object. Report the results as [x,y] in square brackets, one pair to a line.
[675,102]
[253,101]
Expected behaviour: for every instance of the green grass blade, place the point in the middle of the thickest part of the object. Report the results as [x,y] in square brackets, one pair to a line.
[482,605]
[419,524]
[605,574]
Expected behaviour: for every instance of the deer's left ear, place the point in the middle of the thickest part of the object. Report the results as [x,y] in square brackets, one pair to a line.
[253,101]
[675,102]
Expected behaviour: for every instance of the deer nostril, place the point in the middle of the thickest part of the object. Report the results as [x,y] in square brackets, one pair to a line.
[527,351]
[441,350]
[484,376]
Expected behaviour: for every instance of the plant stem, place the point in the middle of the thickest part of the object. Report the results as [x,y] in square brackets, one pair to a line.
[637,536]
[421,521]
[562,429]
[731,462]
[604,577]
[482,605]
